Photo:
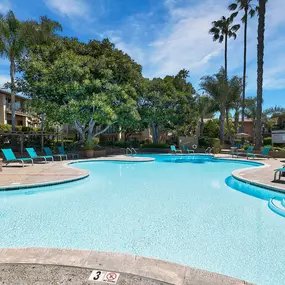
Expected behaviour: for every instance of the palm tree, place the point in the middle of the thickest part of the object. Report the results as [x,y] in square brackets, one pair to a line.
[250,112]
[221,31]
[248,10]
[15,38]
[12,45]
[260,57]
[216,87]
[205,108]
[234,99]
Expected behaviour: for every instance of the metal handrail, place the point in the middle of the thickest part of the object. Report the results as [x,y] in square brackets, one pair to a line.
[128,149]
[132,149]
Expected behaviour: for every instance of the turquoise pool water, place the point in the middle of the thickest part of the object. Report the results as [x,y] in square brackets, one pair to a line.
[179,209]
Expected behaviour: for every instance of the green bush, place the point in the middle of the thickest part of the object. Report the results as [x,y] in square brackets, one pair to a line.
[205,142]
[5,127]
[211,129]
[216,144]
[267,141]
[153,145]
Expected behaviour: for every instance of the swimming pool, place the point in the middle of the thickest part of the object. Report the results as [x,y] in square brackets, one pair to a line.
[178,208]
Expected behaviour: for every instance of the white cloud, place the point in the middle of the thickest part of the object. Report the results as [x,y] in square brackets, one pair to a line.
[69,8]
[4,79]
[186,43]
[5,6]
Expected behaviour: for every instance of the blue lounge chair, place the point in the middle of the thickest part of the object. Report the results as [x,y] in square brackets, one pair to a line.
[264,153]
[244,153]
[173,149]
[279,171]
[62,151]
[186,149]
[10,157]
[48,152]
[32,153]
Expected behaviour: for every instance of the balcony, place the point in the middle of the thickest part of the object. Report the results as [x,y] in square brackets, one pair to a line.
[19,110]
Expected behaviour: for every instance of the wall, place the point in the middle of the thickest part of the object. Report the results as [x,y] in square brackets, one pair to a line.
[248,128]
[3,109]
[189,141]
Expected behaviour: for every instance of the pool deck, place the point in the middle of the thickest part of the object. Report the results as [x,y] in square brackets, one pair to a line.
[261,175]
[69,266]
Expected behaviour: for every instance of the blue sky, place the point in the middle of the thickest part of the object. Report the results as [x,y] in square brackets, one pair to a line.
[165,36]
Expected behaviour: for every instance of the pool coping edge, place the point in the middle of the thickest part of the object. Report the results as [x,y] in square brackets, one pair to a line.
[146,267]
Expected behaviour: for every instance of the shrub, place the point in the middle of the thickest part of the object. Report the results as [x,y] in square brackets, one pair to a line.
[267,141]
[5,127]
[211,129]
[216,145]
[205,142]
[153,145]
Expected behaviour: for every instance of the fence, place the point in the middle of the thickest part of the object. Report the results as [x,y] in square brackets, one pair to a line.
[20,140]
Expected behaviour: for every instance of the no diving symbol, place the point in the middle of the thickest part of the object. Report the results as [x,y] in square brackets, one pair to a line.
[111,276]
[104,276]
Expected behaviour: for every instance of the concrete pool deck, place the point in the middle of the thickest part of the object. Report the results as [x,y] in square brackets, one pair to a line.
[68,266]
[261,175]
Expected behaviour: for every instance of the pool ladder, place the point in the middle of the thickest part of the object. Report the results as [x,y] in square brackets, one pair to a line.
[131,151]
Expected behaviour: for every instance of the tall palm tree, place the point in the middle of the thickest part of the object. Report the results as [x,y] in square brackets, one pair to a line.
[216,87]
[15,38]
[260,57]
[248,10]
[222,30]
[12,45]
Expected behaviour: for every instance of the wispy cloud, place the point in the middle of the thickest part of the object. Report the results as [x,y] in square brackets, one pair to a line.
[185,42]
[69,8]
[3,79]
[5,6]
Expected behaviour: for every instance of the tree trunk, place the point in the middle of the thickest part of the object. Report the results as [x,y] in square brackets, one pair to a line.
[226,56]
[155,132]
[79,128]
[202,126]
[244,68]
[13,96]
[42,122]
[236,120]
[91,126]
[222,126]
[229,127]
[260,57]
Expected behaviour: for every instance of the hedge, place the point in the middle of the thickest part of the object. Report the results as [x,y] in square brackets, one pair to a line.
[267,141]
[153,145]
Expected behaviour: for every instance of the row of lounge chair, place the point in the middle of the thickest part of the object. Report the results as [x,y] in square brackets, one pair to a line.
[185,149]
[49,155]
[248,153]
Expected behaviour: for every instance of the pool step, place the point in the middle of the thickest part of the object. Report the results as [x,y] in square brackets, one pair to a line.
[277,206]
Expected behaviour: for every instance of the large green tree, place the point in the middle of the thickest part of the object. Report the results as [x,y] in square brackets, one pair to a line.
[168,104]
[92,86]
[15,38]
[246,7]
[260,58]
